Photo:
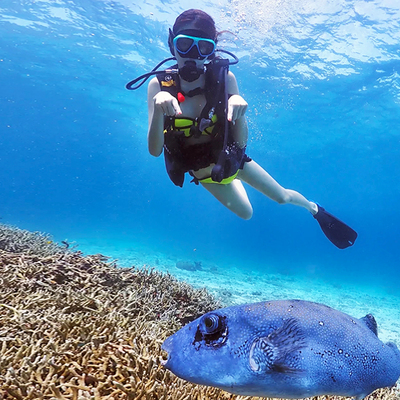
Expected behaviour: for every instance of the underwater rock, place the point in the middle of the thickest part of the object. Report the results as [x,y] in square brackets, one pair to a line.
[189,266]
[213,269]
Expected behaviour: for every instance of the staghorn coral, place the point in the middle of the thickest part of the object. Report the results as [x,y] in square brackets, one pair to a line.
[77,327]
[17,240]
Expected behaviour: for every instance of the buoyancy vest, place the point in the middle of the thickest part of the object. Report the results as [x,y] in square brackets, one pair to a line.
[213,110]
[181,157]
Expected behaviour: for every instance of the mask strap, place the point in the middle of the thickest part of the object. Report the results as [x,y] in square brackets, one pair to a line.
[171,38]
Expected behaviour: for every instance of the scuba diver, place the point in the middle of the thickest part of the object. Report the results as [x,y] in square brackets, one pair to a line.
[197,117]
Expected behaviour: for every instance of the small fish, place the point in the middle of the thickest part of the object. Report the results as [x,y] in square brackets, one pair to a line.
[287,349]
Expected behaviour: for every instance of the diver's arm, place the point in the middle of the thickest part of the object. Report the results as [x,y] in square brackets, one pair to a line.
[159,104]
[237,107]
[155,135]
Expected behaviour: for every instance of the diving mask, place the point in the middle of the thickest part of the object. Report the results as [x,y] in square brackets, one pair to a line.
[185,45]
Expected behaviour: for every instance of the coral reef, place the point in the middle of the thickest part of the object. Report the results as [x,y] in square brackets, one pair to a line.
[16,240]
[77,327]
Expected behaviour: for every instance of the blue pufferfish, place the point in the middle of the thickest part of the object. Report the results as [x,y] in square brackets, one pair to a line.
[286,349]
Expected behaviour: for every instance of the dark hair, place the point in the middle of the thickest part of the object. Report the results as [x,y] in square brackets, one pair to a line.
[201,21]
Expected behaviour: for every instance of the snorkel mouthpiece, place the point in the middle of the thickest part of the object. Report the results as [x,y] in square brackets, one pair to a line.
[189,72]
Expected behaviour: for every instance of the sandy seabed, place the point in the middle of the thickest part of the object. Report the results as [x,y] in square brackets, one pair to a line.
[233,285]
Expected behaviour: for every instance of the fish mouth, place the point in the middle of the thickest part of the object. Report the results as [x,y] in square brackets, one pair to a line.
[163,362]
[164,358]
[165,352]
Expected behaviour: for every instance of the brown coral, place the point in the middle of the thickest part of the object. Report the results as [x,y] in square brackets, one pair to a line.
[77,327]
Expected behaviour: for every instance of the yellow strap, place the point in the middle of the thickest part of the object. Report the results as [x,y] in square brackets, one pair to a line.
[225,181]
[183,122]
[184,125]
[168,83]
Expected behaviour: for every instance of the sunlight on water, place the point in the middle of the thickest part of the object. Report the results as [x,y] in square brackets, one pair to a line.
[316,39]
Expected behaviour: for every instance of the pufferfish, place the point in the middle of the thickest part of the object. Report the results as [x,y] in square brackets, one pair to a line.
[285,349]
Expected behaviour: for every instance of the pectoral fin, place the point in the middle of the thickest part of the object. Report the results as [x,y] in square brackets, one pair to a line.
[276,352]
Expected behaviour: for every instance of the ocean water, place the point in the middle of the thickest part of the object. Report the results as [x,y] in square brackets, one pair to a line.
[323,86]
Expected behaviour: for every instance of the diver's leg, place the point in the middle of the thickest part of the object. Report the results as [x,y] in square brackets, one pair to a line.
[233,196]
[257,177]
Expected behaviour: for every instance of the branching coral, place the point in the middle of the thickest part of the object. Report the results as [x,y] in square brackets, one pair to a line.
[16,240]
[77,327]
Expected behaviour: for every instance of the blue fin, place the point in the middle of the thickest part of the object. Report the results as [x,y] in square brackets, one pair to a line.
[340,234]
[370,321]
[275,352]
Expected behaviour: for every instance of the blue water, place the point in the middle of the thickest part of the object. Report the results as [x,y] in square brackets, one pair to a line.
[323,86]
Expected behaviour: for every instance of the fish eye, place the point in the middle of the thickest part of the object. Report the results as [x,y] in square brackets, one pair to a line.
[212,323]
[212,331]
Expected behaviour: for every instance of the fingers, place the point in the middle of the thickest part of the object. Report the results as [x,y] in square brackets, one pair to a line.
[235,112]
[171,108]
[167,104]
[177,109]
[229,114]
[237,107]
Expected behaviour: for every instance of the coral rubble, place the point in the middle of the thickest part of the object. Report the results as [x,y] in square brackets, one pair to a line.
[77,327]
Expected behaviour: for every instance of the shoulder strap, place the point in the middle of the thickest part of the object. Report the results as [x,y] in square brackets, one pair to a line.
[215,86]
[169,82]
[222,66]
[214,92]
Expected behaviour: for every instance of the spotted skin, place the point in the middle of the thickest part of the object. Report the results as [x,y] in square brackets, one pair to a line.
[287,349]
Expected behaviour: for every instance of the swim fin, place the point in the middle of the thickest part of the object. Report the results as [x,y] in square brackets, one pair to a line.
[340,234]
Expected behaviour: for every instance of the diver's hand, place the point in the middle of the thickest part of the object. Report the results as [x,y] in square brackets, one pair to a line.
[167,104]
[237,107]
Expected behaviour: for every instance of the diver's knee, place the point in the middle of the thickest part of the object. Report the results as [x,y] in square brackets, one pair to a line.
[284,198]
[245,213]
